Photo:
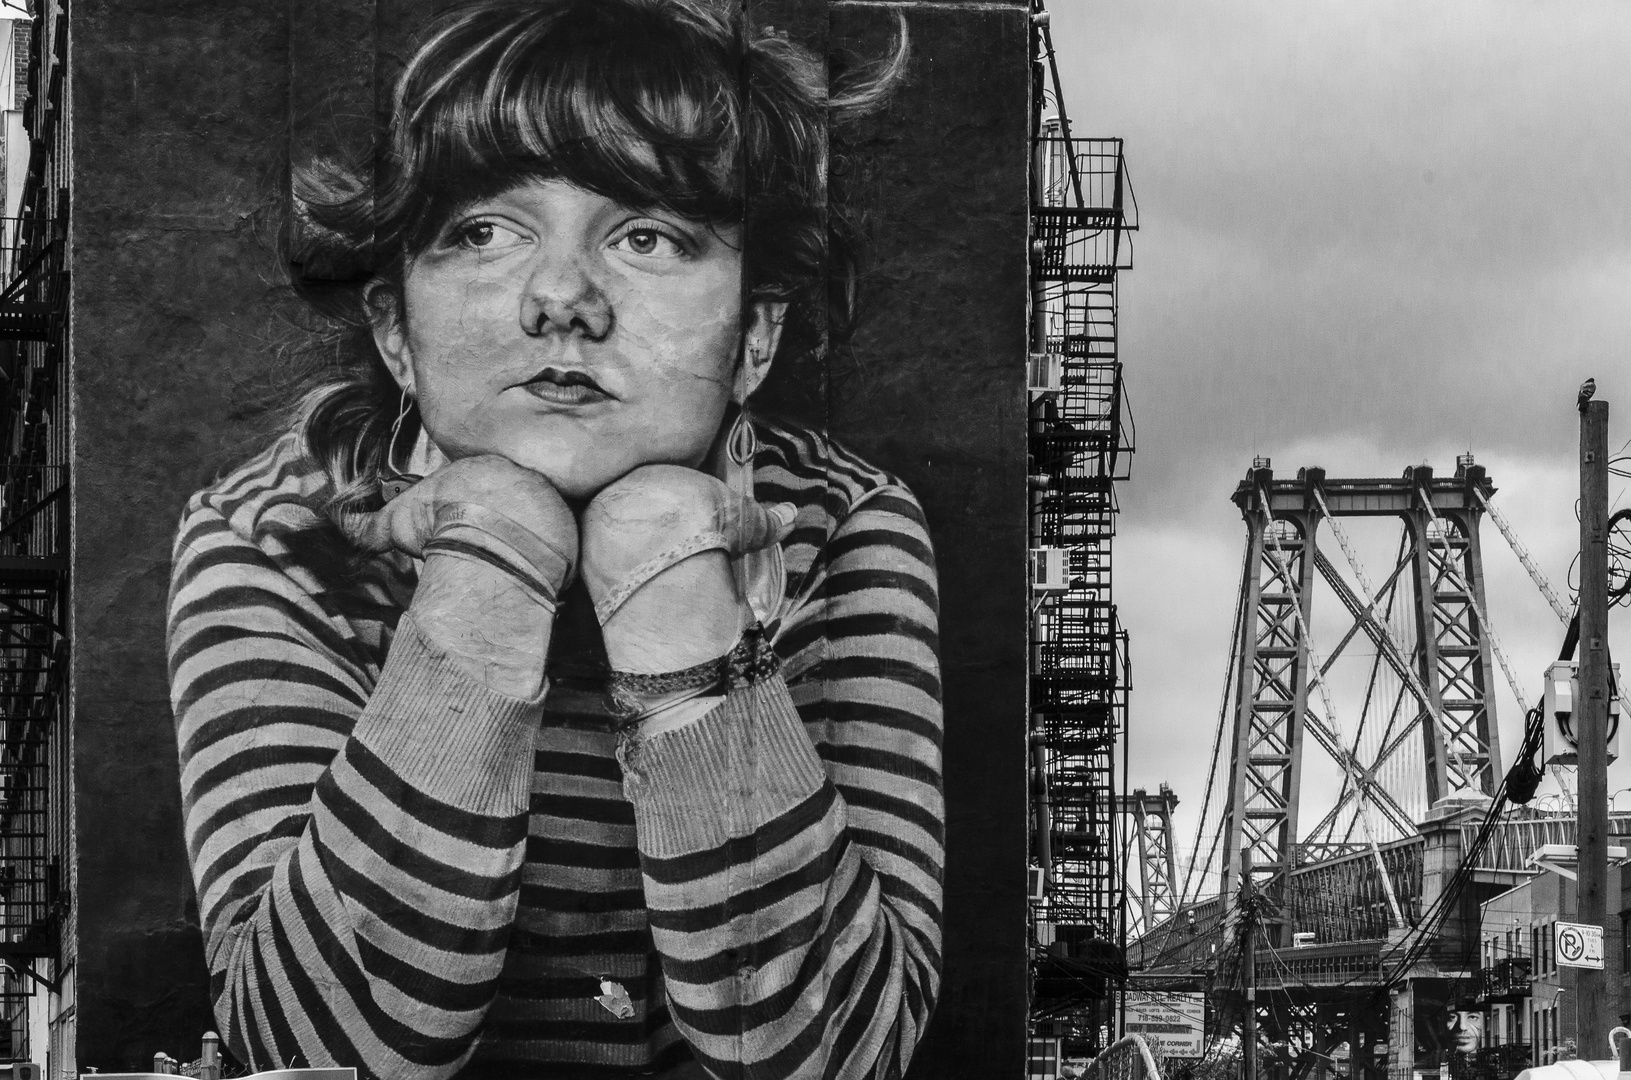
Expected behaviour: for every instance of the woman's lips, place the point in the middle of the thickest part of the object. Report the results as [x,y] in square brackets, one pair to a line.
[565,388]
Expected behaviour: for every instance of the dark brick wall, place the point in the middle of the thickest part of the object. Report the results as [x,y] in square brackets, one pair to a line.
[179,155]
[182,112]
[936,393]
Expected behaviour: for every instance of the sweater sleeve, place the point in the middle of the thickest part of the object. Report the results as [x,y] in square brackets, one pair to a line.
[791,840]
[356,848]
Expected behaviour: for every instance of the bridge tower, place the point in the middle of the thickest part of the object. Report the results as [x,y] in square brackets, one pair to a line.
[1444,700]
[1149,826]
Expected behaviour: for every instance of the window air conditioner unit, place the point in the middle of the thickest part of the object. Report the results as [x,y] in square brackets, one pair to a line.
[1302,939]
[1048,571]
[1036,882]
[1047,373]
[1558,744]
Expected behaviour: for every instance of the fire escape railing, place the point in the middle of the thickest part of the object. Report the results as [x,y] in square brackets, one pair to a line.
[33,589]
[35,768]
[1080,439]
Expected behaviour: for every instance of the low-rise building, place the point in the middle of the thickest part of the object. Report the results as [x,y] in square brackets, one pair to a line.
[1526,999]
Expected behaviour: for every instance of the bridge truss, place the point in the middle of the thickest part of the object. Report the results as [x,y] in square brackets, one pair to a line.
[1147,850]
[1426,724]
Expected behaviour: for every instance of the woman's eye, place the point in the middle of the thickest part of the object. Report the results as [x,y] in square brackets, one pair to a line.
[480,235]
[649,242]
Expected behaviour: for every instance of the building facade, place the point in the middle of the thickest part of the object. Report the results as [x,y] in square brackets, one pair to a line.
[189,118]
[1526,999]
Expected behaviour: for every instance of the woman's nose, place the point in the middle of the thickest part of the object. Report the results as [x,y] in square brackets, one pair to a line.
[560,296]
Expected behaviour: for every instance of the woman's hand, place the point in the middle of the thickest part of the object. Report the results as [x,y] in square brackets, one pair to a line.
[493,622]
[692,611]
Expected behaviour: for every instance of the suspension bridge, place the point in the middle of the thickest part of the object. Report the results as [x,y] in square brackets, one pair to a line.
[1361,787]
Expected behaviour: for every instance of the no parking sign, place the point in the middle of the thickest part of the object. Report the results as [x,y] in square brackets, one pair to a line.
[1579,945]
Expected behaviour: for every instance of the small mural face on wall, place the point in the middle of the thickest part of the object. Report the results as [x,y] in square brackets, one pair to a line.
[1466,1030]
[1447,1023]
[540,701]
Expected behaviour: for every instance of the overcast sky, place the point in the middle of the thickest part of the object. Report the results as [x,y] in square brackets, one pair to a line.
[1373,235]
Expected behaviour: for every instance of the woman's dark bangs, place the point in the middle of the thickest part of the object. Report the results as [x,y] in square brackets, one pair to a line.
[622,118]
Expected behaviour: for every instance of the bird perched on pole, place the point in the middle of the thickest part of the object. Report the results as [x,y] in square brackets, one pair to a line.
[1587,388]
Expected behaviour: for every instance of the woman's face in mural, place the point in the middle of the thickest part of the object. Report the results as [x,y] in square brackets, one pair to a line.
[575,336]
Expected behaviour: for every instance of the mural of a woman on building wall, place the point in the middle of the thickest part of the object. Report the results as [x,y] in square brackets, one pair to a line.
[542,710]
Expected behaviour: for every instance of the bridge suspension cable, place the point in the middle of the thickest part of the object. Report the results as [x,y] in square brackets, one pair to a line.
[1483,619]
[1564,615]
[1217,751]
[1522,553]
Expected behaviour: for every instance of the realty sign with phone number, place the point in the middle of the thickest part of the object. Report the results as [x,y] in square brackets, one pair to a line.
[1173,1024]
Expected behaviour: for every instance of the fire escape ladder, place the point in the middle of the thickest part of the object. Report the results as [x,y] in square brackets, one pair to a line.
[1079,448]
[34,517]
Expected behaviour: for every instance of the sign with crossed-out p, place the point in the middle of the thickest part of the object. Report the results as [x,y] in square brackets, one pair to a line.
[1579,945]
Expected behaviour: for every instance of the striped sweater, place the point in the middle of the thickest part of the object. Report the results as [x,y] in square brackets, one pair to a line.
[400,870]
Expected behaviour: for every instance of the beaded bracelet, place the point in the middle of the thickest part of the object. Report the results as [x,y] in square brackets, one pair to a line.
[632,694]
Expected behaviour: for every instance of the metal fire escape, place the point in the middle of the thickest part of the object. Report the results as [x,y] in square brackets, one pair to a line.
[1079,446]
[34,517]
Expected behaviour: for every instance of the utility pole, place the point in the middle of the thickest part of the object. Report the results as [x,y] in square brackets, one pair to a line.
[1591,719]
[1248,967]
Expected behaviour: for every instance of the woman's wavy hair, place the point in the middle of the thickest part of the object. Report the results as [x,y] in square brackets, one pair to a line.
[652,103]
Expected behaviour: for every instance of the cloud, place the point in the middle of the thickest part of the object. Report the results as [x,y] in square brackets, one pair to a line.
[1377,219]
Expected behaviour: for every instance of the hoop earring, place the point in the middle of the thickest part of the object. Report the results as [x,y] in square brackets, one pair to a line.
[760,575]
[391,482]
[742,442]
